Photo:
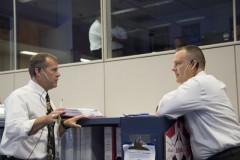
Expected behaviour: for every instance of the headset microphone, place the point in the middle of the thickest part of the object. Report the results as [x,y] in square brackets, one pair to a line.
[186,69]
[45,75]
[190,62]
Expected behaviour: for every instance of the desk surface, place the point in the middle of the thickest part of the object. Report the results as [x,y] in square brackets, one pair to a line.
[2,123]
[116,121]
[113,121]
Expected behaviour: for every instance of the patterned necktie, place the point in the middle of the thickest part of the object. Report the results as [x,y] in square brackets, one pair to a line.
[51,139]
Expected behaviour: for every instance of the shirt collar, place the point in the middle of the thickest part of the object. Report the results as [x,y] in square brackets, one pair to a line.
[37,88]
[201,73]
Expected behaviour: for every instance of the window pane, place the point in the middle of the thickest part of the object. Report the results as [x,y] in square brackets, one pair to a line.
[155,25]
[6,32]
[59,27]
[119,38]
[87,37]
[238,19]
[62,27]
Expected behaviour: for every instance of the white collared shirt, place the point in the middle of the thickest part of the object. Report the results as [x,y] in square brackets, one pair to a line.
[213,125]
[22,107]
[95,36]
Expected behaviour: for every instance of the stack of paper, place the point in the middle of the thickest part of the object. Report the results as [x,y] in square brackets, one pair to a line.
[2,111]
[71,112]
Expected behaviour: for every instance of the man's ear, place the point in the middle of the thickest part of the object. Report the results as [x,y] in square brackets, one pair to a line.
[36,70]
[194,65]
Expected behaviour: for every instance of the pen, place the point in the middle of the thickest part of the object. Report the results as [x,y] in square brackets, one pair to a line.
[61,103]
[59,117]
[133,115]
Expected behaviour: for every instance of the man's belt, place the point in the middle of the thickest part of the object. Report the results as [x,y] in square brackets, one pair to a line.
[4,157]
[231,152]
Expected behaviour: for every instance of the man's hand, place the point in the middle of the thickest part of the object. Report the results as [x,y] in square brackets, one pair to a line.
[72,122]
[55,116]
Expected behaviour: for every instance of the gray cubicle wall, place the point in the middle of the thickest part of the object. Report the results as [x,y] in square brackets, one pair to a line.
[1,130]
[237,53]
[137,85]
[130,84]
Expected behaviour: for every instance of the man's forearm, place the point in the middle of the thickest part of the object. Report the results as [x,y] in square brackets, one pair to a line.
[38,124]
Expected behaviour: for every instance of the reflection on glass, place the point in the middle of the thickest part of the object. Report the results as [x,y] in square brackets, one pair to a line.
[85,14]
[119,39]
[44,26]
[238,19]
[57,27]
[238,31]
[156,25]
[6,28]
[95,38]
[138,27]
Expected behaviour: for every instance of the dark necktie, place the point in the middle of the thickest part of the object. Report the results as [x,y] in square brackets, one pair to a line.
[51,139]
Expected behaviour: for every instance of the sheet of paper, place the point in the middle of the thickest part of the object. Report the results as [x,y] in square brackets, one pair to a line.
[71,112]
[147,152]
[2,111]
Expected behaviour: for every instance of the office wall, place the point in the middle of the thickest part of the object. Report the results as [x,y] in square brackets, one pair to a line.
[81,86]
[221,63]
[6,85]
[21,78]
[237,53]
[137,85]
[129,85]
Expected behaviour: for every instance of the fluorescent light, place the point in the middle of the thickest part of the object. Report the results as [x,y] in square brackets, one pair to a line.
[190,19]
[85,60]
[158,3]
[159,26]
[28,53]
[145,6]
[24,1]
[124,11]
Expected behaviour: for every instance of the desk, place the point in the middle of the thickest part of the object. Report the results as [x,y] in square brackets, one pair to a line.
[150,128]
[114,121]
[91,137]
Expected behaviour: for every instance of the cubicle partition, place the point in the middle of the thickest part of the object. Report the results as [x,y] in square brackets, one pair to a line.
[149,130]
[1,130]
[103,138]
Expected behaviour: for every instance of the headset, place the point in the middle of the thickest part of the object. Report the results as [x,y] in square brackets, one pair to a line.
[34,73]
[45,75]
[190,62]
[39,130]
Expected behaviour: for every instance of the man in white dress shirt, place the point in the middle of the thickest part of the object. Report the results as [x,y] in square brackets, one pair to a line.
[95,38]
[25,133]
[119,39]
[201,98]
